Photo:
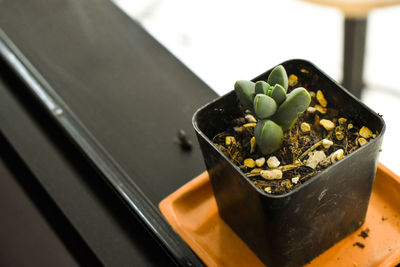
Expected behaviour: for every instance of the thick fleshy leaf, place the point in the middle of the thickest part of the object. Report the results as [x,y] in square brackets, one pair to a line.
[264,106]
[269,136]
[262,87]
[245,92]
[296,103]
[278,76]
[278,93]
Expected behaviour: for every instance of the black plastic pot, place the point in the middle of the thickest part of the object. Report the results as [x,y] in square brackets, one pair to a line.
[293,228]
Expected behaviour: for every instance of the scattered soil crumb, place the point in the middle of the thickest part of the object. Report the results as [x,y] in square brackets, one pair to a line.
[358,244]
[364,233]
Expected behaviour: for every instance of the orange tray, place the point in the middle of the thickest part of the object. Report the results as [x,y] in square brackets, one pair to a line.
[193,213]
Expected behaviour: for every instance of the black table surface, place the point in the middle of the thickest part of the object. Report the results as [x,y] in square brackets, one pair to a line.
[22,223]
[130,93]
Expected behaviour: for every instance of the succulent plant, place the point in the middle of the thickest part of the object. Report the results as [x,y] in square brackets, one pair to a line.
[275,110]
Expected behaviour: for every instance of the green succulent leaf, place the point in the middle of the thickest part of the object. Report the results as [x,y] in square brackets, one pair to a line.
[262,87]
[296,103]
[278,76]
[245,91]
[264,106]
[278,93]
[269,136]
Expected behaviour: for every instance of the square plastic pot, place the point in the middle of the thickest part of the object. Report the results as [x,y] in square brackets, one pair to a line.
[293,228]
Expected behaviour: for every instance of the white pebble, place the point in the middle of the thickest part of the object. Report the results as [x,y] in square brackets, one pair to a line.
[250,118]
[315,158]
[260,162]
[271,174]
[295,180]
[273,162]
[311,109]
[268,189]
[337,155]
[327,143]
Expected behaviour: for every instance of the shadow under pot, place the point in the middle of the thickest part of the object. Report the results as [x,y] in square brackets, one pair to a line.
[291,229]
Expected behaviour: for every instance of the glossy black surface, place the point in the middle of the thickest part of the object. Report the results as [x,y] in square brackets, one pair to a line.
[97,156]
[27,221]
[128,92]
[103,223]
[293,228]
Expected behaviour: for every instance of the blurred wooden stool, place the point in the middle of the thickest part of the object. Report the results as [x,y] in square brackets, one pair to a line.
[355,29]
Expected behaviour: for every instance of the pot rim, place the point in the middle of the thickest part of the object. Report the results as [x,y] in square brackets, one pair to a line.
[315,177]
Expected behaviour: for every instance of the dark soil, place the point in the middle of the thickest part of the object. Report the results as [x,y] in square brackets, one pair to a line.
[358,244]
[364,233]
[295,143]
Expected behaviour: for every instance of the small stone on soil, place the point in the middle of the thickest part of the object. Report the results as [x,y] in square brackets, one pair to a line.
[362,141]
[268,189]
[321,98]
[315,158]
[250,118]
[327,143]
[327,124]
[249,163]
[250,124]
[365,132]
[271,174]
[273,162]
[337,155]
[305,127]
[311,109]
[320,109]
[260,162]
